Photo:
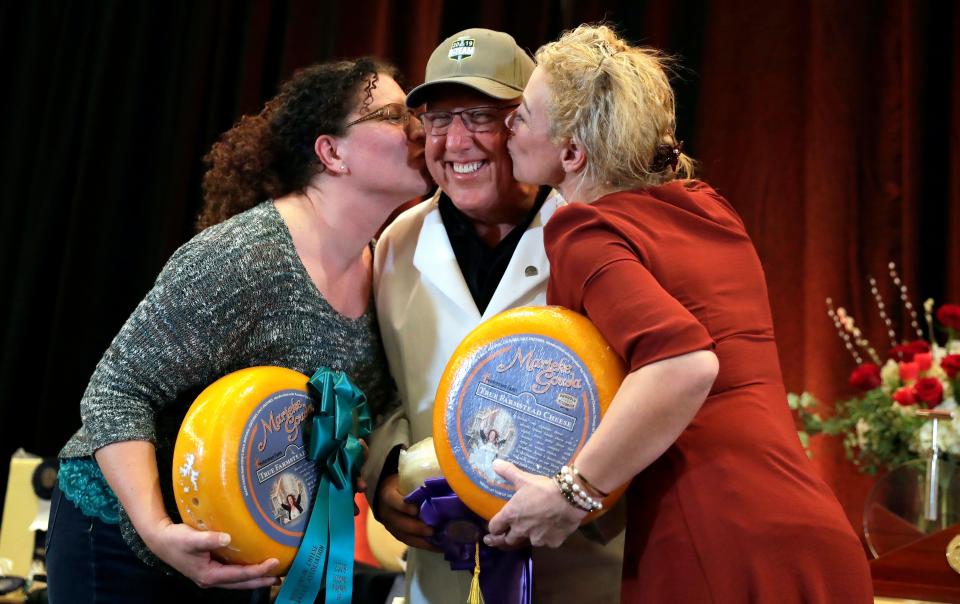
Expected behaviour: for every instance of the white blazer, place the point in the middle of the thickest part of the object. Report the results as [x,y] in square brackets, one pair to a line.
[425,309]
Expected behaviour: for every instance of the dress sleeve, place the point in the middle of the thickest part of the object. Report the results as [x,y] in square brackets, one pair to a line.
[170,344]
[597,271]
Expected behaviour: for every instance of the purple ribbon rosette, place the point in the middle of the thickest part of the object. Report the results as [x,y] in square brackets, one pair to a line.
[506,576]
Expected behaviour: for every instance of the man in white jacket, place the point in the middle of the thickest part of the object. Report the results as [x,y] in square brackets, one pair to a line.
[471,251]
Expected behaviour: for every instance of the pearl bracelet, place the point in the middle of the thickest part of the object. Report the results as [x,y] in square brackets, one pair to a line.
[586,482]
[574,493]
[568,495]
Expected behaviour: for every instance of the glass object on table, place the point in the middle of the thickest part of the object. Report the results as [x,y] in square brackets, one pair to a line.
[915,499]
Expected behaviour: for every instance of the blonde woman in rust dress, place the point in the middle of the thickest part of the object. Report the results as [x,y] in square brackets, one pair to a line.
[723,505]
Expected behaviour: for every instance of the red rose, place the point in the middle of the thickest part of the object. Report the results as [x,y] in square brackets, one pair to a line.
[904,396]
[928,391]
[909,372]
[949,316]
[923,360]
[906,352]
[865,377]
[951,364]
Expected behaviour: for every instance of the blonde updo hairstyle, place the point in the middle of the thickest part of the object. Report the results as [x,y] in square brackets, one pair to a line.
[615,100]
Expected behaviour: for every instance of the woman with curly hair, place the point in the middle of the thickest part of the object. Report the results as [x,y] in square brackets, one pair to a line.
[723,505]
[279,275]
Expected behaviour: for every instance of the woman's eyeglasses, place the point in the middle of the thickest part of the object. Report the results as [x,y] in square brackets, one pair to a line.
[475,119]
[395,113]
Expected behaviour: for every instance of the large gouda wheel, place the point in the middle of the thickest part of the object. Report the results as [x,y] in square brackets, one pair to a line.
[530,386]
[240,465]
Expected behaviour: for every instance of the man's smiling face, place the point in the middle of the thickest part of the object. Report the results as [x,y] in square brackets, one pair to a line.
[473,168]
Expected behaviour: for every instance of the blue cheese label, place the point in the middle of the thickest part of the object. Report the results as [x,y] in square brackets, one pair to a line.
[527,399]
[277,480]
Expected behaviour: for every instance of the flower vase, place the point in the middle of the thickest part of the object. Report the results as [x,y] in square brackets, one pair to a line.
[910,502]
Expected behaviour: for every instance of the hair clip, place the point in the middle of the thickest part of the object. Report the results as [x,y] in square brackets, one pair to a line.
[666,156]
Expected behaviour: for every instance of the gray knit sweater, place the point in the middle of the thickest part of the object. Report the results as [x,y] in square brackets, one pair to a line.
[234,296]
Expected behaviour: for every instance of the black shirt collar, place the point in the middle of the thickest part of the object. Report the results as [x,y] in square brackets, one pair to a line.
[483,266]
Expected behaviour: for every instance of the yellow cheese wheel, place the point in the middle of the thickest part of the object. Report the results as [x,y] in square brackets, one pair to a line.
[530,386]
[240,466]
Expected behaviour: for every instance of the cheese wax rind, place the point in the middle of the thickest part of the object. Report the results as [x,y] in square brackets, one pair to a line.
[530,386]
[240,467]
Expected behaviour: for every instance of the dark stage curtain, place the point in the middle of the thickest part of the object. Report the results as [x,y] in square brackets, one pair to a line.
[832,127]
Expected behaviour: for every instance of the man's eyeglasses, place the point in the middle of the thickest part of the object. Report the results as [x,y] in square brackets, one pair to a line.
[395,113]
[475,119]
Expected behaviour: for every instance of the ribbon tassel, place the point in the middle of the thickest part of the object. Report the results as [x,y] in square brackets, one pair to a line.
[458,532]
[325,556]
[475,596]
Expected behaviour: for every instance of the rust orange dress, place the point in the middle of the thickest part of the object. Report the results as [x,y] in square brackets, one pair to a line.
[732,512]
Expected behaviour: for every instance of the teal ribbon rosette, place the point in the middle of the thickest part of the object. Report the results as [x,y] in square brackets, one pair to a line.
[325,557]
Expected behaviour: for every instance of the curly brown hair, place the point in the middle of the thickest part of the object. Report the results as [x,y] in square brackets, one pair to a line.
[271,154]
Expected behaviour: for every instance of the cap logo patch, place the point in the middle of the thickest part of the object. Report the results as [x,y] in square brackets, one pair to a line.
[461,49]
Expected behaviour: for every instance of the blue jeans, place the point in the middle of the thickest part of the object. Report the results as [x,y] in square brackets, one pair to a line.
[89,563]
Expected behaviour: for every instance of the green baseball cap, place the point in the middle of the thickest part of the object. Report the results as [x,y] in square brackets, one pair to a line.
[488,61]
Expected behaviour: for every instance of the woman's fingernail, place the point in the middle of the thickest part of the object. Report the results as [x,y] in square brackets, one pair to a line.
[224,539]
